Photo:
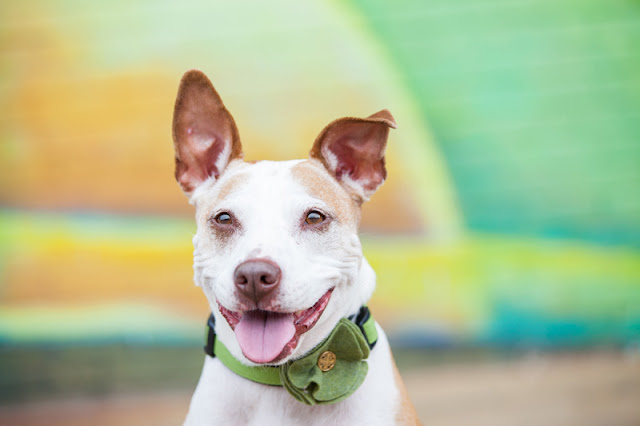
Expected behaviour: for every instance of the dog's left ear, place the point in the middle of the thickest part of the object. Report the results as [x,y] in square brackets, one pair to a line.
[352,150]
[205,136]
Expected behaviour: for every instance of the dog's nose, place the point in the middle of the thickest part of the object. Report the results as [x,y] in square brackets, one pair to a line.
[255,279]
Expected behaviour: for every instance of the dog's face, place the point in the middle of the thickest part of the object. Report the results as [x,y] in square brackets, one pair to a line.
[276,250]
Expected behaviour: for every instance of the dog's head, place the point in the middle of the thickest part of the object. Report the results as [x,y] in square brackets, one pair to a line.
[276,250]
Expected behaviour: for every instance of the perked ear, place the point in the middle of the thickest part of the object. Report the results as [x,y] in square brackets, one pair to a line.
[352,149]
[205,137]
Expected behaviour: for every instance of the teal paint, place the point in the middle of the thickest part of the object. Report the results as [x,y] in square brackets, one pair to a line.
[518,327]
[534,106]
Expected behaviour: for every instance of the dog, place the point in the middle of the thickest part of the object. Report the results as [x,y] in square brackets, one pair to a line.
[277,254]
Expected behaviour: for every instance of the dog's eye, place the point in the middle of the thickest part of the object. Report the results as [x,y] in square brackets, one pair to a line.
[223,218]
[314,217]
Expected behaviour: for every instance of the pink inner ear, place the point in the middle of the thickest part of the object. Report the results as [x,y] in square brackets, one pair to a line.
[204,133]
[360,154]
[198,156]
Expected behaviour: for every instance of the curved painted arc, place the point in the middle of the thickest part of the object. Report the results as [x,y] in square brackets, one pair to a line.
[417,155]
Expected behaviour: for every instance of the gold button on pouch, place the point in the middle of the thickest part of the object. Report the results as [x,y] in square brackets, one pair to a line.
[326,360]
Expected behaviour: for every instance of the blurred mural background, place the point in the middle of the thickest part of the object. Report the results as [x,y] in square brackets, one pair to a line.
[506,239]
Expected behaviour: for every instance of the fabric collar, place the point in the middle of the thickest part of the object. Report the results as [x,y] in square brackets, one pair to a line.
[331,372]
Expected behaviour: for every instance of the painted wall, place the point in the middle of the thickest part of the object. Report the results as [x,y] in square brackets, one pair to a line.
[511,215]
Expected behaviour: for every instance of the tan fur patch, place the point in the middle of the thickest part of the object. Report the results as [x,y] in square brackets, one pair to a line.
[320,184]
[406,414]
[222,234]
[230,185]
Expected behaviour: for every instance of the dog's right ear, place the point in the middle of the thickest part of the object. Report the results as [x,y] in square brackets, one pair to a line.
[205,137]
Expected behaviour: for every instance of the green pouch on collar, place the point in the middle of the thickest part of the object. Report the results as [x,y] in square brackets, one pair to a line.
[345,369]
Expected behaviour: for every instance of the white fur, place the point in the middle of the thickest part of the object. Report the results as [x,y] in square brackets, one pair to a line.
[223,158]
[270,206]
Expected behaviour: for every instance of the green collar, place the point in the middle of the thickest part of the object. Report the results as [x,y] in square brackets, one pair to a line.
[332,371]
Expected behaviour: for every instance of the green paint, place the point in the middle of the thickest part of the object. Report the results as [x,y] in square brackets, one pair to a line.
[122,322]
[22,229]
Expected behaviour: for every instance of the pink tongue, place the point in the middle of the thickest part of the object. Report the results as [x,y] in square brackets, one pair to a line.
[263,335]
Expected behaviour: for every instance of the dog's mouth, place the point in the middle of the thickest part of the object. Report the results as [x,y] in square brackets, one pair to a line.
[267,336]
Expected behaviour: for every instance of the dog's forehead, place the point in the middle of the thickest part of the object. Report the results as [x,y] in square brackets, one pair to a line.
[284,180]
[263,179]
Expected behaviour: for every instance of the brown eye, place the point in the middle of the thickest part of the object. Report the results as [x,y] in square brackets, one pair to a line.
[314,218]
[223,218]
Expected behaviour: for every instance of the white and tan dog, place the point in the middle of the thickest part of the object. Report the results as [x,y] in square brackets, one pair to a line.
[278,257]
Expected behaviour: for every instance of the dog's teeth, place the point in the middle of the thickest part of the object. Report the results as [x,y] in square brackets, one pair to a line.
[298,313]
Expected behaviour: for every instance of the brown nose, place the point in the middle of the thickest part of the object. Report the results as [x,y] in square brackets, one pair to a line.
[256,279]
